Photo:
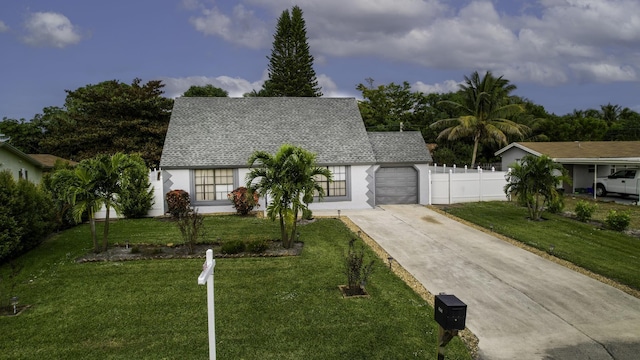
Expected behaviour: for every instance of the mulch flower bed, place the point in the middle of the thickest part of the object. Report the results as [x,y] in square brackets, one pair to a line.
[150,252]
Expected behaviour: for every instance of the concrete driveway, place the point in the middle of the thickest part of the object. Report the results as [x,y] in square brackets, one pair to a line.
[520,305]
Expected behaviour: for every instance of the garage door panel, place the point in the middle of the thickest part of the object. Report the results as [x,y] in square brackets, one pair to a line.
[396,185]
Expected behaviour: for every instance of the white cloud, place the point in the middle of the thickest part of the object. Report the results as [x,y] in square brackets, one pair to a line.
[537,72]
[241,27]
[50,29]
[3,27]
[236,87]
[439,88]
[604,72]
[548,42]
[191,4]
[329,87]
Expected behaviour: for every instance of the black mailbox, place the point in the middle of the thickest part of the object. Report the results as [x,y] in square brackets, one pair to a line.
[450,312]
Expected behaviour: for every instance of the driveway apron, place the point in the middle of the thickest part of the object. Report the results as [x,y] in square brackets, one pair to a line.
[520,306]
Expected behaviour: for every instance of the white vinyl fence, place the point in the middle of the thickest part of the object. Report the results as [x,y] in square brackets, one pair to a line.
[450,185]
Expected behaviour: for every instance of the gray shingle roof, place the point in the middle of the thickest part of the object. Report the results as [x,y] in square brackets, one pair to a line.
[399,147]
[216,132]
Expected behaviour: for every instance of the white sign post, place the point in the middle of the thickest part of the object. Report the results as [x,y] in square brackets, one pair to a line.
[206,277]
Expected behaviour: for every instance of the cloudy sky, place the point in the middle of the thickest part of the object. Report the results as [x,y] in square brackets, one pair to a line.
[562,54]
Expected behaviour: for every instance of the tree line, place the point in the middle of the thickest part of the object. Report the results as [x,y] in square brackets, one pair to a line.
[112,117]
[485,115]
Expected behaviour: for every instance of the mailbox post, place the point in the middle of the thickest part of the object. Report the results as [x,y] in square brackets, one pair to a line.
[450,314]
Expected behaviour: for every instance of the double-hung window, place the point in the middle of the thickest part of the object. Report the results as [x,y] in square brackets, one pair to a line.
[337,187]
[212,184]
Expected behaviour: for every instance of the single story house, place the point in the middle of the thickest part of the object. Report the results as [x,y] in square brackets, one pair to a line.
[584,160]
[19,164]
[209,141]
[27,166]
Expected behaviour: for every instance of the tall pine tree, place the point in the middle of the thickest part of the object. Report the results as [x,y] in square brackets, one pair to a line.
[290,64]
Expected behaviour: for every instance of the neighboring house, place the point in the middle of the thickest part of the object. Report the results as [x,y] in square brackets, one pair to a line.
[209,141]
[19,164]
[584,160]
[48,161]
[27,166]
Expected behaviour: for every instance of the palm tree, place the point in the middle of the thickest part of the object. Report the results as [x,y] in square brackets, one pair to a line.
[289,178]
[610,113]
[270,173]
[110,180]
[485,109]
[99,181]
[304,173]
[84,197]
[535,180]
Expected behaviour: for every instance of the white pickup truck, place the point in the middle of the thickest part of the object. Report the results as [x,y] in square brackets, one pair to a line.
[624,182]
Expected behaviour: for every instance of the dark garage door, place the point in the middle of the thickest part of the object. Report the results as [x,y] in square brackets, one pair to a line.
[396,185]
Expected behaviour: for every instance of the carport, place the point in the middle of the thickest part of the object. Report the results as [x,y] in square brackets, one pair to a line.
[585,160]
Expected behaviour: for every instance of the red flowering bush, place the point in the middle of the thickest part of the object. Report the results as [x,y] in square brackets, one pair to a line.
[178,202]
[243,201]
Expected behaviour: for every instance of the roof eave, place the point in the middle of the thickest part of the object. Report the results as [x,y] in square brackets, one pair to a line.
[519,146]
[22,155]
[599,161]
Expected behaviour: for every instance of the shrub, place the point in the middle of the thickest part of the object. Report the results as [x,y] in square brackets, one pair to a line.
[232,247]
[35,214]
[9,229]
[57,184]
[618,221]
[178,202]
[257,246]
[556,204]
[26,216]
[243,201]
[191,225]
[584,210]
[136,196]
[307,214]
[356,270]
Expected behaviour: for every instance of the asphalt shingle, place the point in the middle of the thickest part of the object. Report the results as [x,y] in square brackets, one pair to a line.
[399,147]
[223,132]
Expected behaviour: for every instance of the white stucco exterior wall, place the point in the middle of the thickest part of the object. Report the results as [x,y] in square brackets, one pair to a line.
[359,189]
[358,181]
[512,156]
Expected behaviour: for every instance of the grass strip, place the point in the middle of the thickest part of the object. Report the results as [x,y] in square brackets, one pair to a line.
[611,254]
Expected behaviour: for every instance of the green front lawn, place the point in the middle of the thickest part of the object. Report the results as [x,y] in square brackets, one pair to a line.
[266,308]
[608,253]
